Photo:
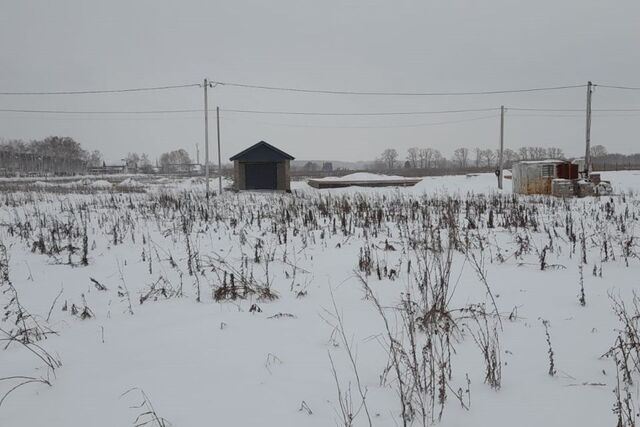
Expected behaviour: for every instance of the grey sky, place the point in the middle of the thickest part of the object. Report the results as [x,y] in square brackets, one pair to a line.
[407,46]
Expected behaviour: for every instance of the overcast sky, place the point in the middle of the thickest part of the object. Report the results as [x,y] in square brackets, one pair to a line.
[398,46]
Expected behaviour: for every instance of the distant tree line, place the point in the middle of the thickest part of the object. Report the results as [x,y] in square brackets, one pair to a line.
[465,158]
[62,155]
[603,160]
[462,158]
[169,162]
[173,160]
[57,155]
[315,167]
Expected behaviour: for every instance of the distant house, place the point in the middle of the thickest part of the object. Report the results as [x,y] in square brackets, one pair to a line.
[107,169]
[262,167]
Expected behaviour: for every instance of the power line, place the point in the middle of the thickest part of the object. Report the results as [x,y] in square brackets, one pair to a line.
[544,109]
[574,109]
[385,113]
[304,90]
[350,92]
[618,87]
[264,112]
[239,111]
[12,110]
[308,113]
[93,92]
[534,114]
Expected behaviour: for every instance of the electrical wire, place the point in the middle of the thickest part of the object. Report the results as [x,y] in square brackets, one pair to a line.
[574,109]
[12,110]
[93,92]
[349,92]
[264,112]
[309,113]
[385,113]
[303,90]
[618,87]
[581,116]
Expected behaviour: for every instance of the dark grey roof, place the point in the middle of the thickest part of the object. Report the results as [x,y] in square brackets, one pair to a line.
[262,152]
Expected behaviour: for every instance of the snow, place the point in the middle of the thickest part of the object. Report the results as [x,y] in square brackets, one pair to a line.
[62,179]
[363,176]
[485,183]
[622,181]
[99,184]
[85,182]
[218,363]
[130,182]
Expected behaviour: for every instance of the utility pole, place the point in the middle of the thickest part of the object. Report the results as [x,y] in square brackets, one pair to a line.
[500,155]
[587,154]
[206,136]
[197,154]
[219,159]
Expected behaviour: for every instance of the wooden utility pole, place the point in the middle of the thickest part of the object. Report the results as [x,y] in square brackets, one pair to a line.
[206,136]
[587,154]
[500,155]
[219,159]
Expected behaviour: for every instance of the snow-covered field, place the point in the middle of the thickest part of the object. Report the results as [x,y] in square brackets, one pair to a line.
[445,303]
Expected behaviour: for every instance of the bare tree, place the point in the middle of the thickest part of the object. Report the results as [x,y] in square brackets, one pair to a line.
[479,156]
[489,156]
[413,155]
[145,164]
[537,153]
[95,158]
[524,153]
[176,157]
[436,158]
[461,156]
[428,156]
[389,156]
[555,153]
[422,157]
[132,161]
[598,151]
[509,156]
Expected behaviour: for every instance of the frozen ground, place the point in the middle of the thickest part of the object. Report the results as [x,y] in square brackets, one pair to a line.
[164,315]
[362,176]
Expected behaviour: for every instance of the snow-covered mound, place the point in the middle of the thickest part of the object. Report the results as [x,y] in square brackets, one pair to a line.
[483,183]
[363,176]
[101,184]
[130,183]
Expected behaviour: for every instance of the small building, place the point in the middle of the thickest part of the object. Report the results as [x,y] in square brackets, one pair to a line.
[262,167]
[537,176]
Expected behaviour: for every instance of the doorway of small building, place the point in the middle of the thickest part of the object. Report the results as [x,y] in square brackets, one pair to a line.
[261,176]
